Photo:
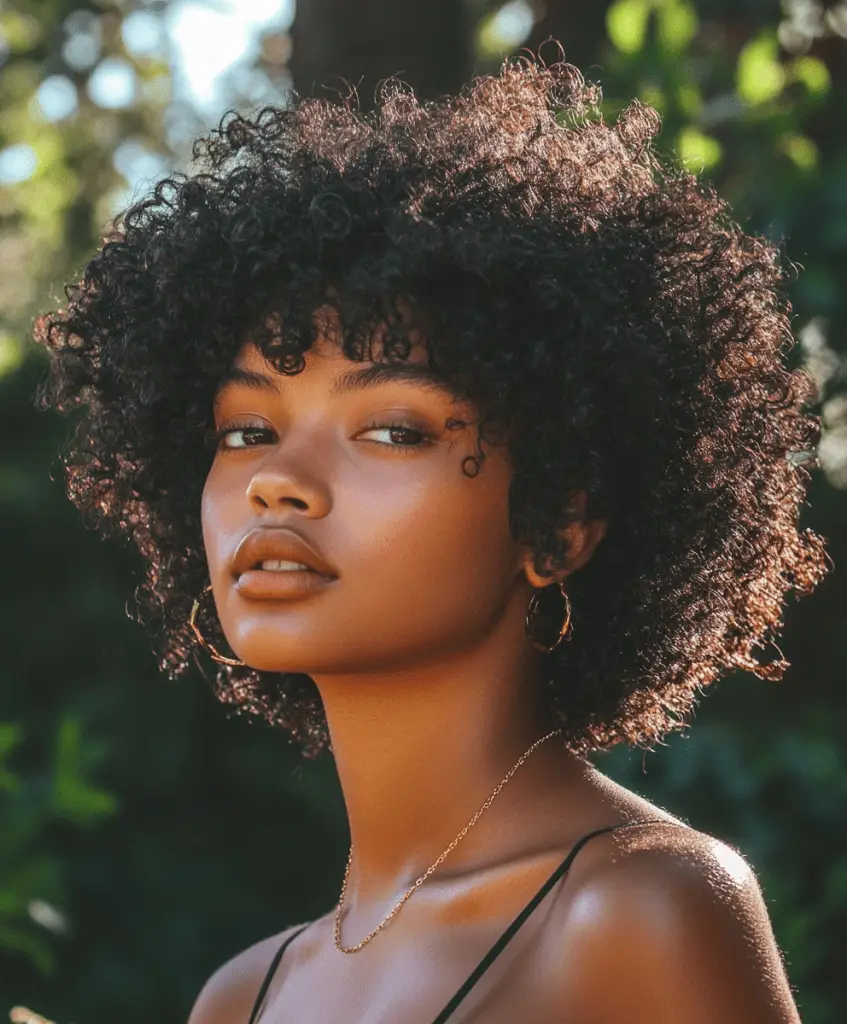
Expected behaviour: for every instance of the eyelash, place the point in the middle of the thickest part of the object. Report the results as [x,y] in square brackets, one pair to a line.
[230,428]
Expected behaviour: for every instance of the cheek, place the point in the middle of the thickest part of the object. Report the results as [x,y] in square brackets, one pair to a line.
[447,535]
[213,520]
[443,574]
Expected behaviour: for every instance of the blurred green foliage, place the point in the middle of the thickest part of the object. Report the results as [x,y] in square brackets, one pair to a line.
[31,881]
[146,837]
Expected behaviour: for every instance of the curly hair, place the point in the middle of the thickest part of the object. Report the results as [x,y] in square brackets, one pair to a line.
[598,305]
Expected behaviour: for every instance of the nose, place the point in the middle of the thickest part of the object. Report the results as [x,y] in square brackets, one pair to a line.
[272,487]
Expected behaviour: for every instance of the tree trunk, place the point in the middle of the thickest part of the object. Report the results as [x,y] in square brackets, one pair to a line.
[426,43]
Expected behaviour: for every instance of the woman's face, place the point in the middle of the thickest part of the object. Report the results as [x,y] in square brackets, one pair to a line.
[423,557]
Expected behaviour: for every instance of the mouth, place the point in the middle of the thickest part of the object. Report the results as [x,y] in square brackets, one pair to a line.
[279,552]
[281,584]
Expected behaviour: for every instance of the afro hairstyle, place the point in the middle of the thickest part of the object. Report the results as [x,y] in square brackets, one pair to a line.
[599,306]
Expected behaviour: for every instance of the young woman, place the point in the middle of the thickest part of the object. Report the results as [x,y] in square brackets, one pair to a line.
[459,436]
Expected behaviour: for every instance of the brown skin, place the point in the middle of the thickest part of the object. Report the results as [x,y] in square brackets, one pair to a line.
[428,680]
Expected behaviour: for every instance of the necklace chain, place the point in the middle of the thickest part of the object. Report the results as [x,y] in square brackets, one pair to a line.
[408,893]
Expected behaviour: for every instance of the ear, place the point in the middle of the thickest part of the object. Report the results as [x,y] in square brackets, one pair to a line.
[583,536]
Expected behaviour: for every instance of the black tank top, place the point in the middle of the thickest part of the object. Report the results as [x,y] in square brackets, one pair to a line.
[495,950]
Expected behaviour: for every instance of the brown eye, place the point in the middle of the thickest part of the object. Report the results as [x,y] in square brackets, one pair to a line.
[400,429]
[246,431]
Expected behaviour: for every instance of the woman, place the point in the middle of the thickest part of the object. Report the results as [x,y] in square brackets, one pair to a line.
[459,436]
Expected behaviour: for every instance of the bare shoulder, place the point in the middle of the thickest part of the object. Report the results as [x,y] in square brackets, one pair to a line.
[229,994]
[664,923]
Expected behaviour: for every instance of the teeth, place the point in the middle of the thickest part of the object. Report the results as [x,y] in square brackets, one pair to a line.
[277,566]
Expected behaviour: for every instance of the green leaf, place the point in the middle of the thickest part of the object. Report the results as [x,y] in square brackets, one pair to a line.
[690,99]
[653,96]
[14,939]
[36,877]
[812,72]
[11,356]
[11,735]
[759,75]
[626,23]
[697,151]
[73,797]
[22,31]
[13,901]
[678,24]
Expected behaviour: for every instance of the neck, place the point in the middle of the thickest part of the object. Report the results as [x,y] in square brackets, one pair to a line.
[420,749]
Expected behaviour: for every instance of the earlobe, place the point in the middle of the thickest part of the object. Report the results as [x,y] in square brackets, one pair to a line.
[533,577]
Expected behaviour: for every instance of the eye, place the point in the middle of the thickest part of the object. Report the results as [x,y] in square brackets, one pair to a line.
[247,431]
[247,435]
[401,428]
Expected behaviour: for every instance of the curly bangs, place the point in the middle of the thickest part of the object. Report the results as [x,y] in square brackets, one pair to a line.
[599,307]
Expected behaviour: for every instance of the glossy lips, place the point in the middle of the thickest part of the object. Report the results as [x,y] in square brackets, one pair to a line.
[270,543]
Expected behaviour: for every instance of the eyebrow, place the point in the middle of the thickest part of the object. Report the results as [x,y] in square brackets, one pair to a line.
[348,381]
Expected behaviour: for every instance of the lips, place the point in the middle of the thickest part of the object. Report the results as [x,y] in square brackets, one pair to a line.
[281,543]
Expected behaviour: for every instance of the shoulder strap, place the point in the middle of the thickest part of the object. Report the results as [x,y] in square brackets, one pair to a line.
[263,991]
[509,933]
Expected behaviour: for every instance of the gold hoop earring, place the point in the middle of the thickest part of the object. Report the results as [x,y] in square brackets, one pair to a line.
[531,612]
[216,656]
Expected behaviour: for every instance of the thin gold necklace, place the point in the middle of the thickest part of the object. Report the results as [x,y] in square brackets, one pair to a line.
[408,893]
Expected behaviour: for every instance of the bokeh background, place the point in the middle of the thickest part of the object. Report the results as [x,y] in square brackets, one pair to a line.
[145,836]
